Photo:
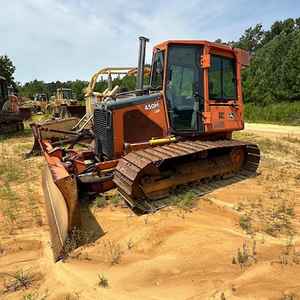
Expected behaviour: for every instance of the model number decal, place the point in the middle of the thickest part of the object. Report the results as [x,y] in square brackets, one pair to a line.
[152,106]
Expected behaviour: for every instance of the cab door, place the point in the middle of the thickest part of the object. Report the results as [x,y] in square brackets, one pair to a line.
[184,89]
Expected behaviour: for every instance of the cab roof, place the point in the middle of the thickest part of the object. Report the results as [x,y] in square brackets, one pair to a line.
[165,44]
[243,57]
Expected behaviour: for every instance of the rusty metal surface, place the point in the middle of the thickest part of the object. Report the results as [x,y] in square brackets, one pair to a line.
[61,198]
[131,167]
[50,130]
[57,214]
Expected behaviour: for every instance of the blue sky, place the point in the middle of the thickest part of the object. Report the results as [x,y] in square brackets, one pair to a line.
[70,39]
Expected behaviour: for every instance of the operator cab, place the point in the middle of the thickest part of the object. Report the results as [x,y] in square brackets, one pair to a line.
[199,82]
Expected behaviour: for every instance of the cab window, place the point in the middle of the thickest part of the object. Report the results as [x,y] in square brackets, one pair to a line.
[157,70]
[222,78]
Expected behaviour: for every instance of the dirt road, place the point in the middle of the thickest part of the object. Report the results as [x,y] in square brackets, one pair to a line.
[240,241]
[273,129]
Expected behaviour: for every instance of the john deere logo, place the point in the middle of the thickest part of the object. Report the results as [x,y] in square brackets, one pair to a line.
[231,116]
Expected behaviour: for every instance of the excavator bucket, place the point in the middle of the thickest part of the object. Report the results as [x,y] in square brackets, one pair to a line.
[62,206]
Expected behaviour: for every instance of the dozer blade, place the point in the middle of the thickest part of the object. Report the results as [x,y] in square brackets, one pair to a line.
[63,212]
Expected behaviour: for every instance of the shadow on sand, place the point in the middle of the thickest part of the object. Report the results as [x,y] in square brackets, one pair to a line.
[90,225]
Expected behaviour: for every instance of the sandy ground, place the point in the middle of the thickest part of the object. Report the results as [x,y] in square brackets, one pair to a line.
[240,241]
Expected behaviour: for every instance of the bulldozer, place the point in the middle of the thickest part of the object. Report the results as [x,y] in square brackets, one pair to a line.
[11,120]
[151,140]
[64,104]
[40,103]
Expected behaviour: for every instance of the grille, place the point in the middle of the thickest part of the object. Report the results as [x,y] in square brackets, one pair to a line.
[100,119]
[103,132]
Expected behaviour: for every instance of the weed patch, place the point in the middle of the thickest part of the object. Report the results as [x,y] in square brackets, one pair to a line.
[20,280]
[115,200]
[273,217]
[183,198]
[76,239]
[74,296]
[245,256]
[112,252]
[100,202]
[289,296]
[9,203]
[102,281]
[105,199]
[289,255]
[35,296]
[270,146]
[245,223]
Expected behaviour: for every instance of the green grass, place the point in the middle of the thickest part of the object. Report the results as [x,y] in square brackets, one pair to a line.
[287,113]
[100,202]
[8,203]
[184,200]
[27,132]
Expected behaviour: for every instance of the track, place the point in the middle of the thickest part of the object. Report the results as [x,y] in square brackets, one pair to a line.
[150,174]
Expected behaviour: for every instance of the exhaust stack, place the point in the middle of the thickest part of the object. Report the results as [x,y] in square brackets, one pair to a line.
[141,64]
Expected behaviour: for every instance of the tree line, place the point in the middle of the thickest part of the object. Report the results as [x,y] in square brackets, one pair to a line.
[29,89]
[274,71]
[273,75]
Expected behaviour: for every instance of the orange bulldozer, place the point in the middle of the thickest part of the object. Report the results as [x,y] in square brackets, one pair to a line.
[148,141]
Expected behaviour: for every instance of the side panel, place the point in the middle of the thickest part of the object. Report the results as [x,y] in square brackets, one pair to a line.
[139,123]
[223,118]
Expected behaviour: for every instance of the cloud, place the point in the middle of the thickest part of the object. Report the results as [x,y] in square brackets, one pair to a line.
[70,39]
